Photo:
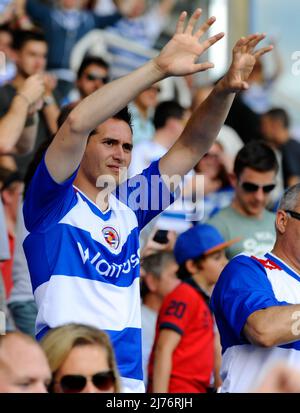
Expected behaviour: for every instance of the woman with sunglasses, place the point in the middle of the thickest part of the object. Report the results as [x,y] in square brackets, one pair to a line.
[81,360]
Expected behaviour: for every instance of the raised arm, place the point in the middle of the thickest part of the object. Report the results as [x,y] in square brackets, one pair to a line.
[274,326]
[207,120]
[177,58]
[13,137]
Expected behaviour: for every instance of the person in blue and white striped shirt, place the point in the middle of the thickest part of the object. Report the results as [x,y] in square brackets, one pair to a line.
[83,242]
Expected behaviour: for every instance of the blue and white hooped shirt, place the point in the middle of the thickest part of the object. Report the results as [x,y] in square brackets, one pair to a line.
[248,284]
[84,264]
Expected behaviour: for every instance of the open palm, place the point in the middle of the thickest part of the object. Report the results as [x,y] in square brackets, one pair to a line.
[243,61]
[179,56]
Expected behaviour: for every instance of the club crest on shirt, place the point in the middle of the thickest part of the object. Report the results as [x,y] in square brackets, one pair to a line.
[111,237]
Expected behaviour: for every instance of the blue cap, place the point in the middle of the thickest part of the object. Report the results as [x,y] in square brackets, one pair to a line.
[202,239]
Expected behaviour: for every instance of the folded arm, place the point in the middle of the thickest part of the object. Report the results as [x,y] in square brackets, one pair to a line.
[273,326]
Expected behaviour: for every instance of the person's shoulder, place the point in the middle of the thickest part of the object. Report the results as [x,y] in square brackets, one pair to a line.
[221,215]
[245,262]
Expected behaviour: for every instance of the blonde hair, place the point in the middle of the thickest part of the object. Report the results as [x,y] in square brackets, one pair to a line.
[58,343]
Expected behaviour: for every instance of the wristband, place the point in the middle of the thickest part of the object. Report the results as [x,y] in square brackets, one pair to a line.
[24,98]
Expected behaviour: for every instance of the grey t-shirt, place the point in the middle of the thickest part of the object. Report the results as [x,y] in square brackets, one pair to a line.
[257,236]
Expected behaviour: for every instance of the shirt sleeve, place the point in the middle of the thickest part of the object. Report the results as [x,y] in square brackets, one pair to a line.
[242,289]
[177,311]
[46,201]
[146,194]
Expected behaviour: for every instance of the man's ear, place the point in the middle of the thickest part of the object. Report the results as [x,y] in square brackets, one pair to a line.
[281,221]
[6,198]
[191,267]
[151,282]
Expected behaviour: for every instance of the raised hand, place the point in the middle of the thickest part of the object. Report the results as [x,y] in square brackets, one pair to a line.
[179,56]
[243,61]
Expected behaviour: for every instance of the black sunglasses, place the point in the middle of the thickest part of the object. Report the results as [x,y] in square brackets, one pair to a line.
[75,383]
[250,187]
[92,76]
[293,214]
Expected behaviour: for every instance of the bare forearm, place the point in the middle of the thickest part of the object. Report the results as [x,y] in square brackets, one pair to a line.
[12,125]
[206,122]
[274,326]
[162,371]
[111,98]
[199,134]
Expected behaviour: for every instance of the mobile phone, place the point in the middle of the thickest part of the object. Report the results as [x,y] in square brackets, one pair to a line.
[161,236]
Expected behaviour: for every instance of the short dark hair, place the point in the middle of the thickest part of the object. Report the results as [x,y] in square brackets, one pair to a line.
[166,110]
[91,60]
[124,115]
[5,28]
[256,155]
[155,264]
[279,114]
[21,37]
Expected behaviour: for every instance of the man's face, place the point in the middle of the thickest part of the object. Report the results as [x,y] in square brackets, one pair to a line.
[70,4]
[148,98]
[253,203]
[23,367]
[32,58]
[108,151]
[5,41]
[212,266]
[273,130]
[166,283]
[92,78]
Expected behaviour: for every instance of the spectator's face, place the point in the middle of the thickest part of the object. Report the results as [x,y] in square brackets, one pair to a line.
[148,98]
[108,152]
[70,4]
[32,58]
[23,367]
[210,164]
[212,266]
[84,360]
[167,280]
[253,203]
[11,198]
[5,41]
[273,130]
[138,8]
[92,78]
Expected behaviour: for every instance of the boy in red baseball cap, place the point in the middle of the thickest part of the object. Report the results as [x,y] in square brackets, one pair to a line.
[183,355]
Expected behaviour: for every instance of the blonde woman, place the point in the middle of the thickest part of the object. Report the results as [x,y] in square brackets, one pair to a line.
[81,360]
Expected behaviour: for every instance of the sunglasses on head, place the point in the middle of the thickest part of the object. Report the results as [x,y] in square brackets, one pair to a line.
[250,187]
[293,214]
[92,76]
[75,383]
